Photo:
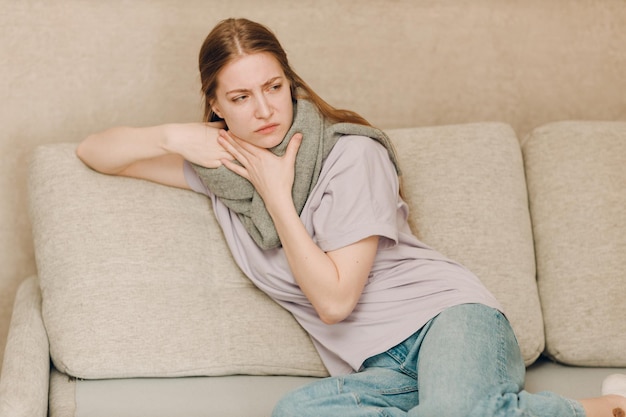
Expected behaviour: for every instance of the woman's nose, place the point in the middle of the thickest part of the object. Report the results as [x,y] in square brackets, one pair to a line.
[263,108]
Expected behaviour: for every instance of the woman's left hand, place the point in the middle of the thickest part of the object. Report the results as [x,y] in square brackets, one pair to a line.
[332,281]
[271,175]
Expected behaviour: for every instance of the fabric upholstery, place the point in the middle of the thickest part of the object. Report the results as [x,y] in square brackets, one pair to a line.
[137,281]
[221,397]
[577,183]
[62,396]
[25,374]
[71,68]
[466,188]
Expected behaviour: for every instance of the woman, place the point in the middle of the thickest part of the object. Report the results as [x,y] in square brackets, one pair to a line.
[308,199]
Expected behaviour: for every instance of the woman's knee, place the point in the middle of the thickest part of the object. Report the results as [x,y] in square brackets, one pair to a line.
[306,400]
[287,406]
[502,401]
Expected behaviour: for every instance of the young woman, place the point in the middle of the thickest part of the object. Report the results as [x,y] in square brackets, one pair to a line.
[308,199]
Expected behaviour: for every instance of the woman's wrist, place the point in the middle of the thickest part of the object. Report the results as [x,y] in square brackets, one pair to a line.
[279,204]
[169,138]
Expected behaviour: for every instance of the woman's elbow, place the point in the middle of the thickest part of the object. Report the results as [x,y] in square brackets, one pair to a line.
[334,314]
[91,155]
[82,150]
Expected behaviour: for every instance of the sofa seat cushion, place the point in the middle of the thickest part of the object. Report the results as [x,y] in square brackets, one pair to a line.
[577,184]
[221,396]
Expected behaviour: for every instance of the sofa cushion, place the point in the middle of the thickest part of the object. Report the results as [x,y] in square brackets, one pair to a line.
[576,178]
[137,281]
[466,188]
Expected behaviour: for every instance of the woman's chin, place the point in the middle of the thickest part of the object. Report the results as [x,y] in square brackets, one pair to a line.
[269,141]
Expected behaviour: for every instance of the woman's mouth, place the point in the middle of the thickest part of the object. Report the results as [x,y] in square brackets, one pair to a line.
[267,129]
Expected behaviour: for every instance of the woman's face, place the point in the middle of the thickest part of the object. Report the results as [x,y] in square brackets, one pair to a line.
[254,99]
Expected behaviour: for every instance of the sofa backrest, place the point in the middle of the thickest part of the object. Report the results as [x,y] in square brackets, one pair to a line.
[137,281]
[74,67]
[467,191]
[576,175]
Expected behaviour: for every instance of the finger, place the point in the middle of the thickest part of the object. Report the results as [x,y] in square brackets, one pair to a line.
[245,147]
[231,146]
[233,140]
[225,155]
[237,169]
[223,134]
[293,146]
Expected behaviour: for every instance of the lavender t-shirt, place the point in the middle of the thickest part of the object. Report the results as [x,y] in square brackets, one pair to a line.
[356,196]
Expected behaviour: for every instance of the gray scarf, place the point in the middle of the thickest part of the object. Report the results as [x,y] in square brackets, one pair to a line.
[319,137]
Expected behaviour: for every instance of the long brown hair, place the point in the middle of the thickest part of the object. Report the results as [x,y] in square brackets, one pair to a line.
[232,38]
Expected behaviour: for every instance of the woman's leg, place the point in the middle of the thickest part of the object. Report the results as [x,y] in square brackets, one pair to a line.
[383,387]
[605,406]
[469,364]
[374,392]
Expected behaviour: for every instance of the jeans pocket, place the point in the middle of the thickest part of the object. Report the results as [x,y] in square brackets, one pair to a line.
[382,381]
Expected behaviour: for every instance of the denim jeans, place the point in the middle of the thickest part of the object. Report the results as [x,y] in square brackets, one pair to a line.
[464,362]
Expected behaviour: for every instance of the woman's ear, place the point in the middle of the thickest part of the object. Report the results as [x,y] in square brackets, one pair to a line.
[216,110]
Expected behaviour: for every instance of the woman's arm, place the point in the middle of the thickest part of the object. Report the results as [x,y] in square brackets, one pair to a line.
[332,281]
[154,153]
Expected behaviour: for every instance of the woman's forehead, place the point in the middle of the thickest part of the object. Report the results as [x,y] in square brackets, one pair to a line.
[249,71]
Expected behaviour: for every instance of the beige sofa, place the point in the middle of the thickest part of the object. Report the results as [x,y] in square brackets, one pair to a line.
[133,295]
[143,312]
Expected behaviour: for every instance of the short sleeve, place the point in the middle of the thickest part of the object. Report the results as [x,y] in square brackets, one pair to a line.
[357,195]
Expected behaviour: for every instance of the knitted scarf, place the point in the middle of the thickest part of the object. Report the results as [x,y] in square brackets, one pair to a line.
[319,137]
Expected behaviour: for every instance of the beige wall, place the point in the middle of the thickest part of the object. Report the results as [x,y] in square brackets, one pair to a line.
[71,67]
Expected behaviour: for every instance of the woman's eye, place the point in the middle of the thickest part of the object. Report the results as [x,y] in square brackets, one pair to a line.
[276,87]
[239,98]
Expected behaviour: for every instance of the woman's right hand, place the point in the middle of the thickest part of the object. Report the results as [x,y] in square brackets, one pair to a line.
[197,143]
[154,153]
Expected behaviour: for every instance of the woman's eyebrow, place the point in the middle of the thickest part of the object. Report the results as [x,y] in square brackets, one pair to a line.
[265,84]
[272,80]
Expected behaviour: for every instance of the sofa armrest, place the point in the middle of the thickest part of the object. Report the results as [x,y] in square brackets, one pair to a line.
[26,367]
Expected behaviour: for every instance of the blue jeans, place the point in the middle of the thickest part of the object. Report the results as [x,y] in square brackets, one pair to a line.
[464,362]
